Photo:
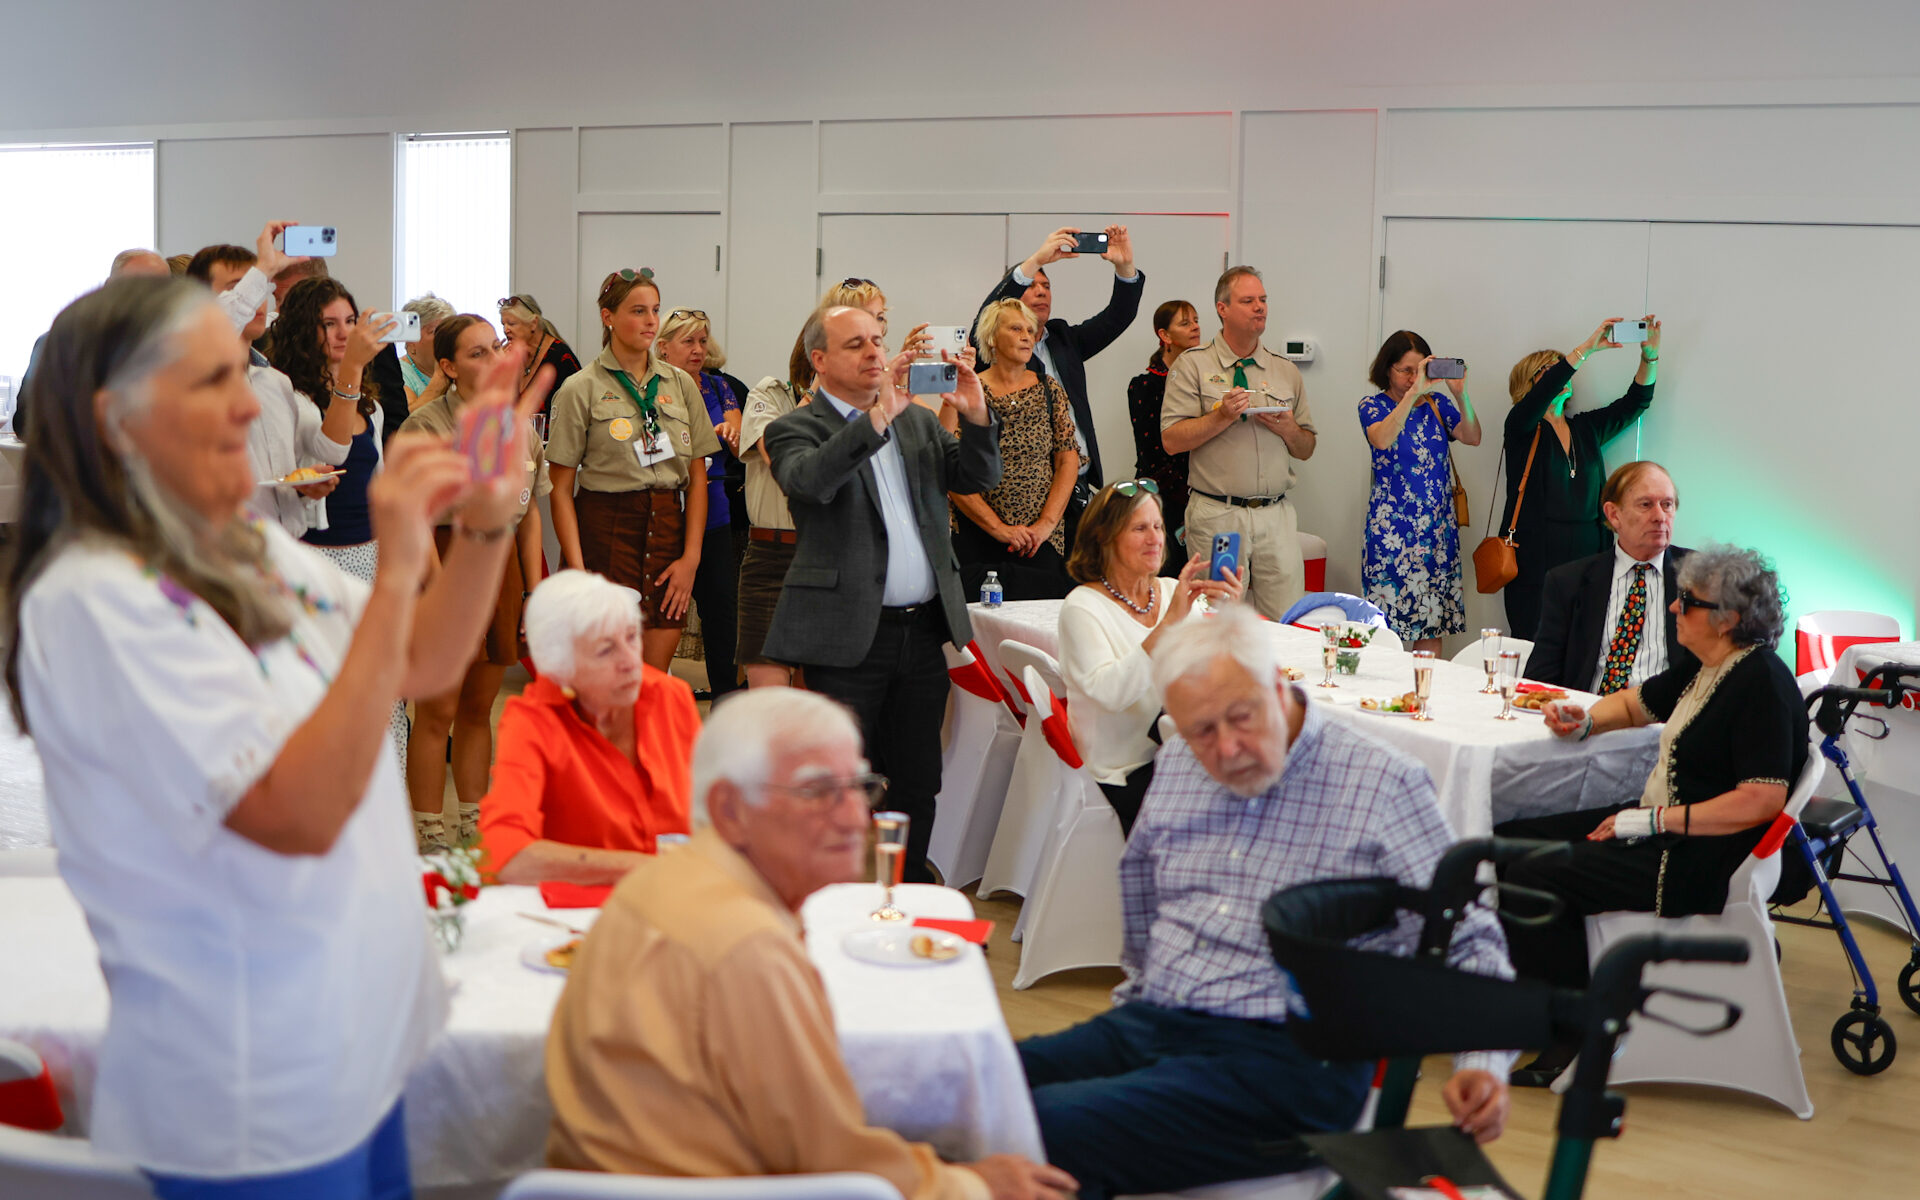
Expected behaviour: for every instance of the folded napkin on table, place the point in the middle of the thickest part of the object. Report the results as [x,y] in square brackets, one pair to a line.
[574,895]
[976,932]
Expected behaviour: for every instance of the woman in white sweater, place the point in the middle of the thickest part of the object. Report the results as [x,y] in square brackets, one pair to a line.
[1109,626]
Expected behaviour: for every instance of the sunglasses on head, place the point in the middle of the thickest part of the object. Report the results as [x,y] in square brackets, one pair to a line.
[525,302]
[628,275]
[1688,600]
[1133,487]
[853,282]
[695,313]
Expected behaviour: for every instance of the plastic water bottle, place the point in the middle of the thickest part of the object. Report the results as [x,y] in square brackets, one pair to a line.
[991,593]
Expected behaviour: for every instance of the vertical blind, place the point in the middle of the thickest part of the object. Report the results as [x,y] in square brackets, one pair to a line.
[455,205]
[65,211]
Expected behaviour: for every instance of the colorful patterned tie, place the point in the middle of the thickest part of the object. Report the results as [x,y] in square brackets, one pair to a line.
[1625,646]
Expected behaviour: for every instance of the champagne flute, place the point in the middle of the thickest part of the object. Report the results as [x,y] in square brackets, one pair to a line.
[1423,684]
[1490,659]
[889,861]
[1509,684]
[1329,654]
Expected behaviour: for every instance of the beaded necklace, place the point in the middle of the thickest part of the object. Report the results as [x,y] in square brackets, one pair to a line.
[1153,593]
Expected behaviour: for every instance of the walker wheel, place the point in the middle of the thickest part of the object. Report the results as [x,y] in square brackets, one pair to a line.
[1909,988]
[1863,1042]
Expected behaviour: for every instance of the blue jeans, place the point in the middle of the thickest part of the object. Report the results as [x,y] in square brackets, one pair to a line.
[1146,1099]
[376,1169]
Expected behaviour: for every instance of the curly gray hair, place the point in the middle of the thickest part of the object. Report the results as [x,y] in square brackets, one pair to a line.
[1752,604]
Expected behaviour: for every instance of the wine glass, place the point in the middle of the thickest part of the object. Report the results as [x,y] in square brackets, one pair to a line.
[889,861]
[1490,659]
[1423,684]
[1329,653]
[1509,684]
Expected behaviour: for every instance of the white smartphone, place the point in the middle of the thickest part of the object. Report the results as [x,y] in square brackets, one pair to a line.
[1627,332]
[951,338]
[313,241]
[406,330]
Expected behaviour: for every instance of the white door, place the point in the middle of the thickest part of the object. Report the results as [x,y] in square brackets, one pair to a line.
[1492,292]
[680,247]
[934,268]
[1182,257]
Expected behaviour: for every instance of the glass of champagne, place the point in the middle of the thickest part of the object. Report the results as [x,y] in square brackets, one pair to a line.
[1423,683]
[1509,684]
[1490,659]
[1329,653]
[889,861]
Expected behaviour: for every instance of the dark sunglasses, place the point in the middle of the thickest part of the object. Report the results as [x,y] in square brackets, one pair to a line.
[628,275]
[695,313]
[523,301]
[853,282]
[1689,600]
[1133,487]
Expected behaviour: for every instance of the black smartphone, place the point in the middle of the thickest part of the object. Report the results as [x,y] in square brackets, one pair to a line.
[1089,243]
[1447,368]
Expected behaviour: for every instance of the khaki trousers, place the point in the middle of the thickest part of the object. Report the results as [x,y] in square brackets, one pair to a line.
[1269,548]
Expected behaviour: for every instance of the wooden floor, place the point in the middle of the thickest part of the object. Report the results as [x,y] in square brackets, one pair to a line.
[1680,1142]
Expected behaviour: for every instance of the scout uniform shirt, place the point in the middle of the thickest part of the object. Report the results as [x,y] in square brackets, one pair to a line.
[766,504]
[442,418]
[1246,459]
[599,428]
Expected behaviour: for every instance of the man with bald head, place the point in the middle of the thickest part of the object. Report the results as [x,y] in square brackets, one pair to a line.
[874,589]
[1604,624]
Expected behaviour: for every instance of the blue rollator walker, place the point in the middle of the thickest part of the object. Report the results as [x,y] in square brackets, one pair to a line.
[1862,1039]
[1366,1004]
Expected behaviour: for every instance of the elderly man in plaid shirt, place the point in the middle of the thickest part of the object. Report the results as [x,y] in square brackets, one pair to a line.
[1192,1077]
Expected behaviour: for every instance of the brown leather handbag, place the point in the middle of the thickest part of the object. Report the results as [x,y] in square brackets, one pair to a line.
[1494,564]
[1461,515]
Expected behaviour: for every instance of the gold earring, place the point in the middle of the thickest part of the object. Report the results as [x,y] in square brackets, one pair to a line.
[567,691]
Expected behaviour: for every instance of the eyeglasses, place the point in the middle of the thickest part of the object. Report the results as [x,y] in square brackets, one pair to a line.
[628,275]
[819,795]
[1689,600]
[1133,487]
[695,313]
[522,301]
[853,282]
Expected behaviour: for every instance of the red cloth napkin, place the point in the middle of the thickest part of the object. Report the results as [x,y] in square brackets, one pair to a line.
[976,932]
[575,895]
[1538,687]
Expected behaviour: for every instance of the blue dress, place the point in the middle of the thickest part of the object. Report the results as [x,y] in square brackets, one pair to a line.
[1411,567]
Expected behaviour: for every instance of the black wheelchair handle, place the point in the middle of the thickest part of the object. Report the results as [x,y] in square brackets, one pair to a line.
[1695,948]
[1859,695]
[1890,674]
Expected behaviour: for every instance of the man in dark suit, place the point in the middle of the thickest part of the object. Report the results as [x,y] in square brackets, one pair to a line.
[1605,622]
[874,589]
[1064,349]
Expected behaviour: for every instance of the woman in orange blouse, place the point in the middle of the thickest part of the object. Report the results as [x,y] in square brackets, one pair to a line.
[595,758]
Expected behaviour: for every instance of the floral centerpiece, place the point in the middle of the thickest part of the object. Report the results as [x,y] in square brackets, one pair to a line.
[1348,637]
[450,878]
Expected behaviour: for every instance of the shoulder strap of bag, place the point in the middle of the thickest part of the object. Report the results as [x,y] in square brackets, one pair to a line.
[1521,495]
[1453,469]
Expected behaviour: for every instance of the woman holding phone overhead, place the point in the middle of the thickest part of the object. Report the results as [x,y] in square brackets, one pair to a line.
[468,351]
[1558,458]
[1411,568]
[627,447]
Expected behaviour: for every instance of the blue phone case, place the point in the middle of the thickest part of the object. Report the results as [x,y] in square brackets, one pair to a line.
[1226,556]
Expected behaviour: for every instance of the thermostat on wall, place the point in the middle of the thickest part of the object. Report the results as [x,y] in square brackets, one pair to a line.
[1297,349]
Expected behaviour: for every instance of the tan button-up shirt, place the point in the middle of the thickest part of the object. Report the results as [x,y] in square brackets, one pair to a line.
[694,1038]
[766,503]
[441,417]
[595,426]
[1246,459]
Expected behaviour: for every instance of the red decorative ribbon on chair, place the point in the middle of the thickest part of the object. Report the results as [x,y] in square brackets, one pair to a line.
[1059,736]
[973,678]
[1775,837]
[31,1104]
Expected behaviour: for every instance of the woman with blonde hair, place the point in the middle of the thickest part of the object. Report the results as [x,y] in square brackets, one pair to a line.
[1015,529]
[1559,458]
[525,325]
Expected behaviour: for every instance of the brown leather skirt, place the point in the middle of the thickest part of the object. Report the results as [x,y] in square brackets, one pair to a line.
[762,574]
[501,644]
[631,537]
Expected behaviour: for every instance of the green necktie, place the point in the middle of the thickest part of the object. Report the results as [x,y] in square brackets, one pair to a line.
[1240,376]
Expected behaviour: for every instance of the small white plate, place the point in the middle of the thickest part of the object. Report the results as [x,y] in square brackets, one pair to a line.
[533,955]
[1381,712]
[1268,408]
[299,483]
[894,947]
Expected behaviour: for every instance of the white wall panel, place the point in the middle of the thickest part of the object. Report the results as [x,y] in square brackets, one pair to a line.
[224,190]
[934,269]
[771,227]
[653,159]
[543,238]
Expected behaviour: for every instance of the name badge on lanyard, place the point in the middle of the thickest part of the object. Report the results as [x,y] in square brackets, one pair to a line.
[654,445]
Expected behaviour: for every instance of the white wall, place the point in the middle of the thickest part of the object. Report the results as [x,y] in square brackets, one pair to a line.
[1310,126]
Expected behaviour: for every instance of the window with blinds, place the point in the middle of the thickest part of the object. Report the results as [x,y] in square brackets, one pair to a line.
[65,211]
[456,193]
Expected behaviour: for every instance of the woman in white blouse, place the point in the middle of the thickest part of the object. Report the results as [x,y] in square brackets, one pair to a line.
[209,699]
[1109,626]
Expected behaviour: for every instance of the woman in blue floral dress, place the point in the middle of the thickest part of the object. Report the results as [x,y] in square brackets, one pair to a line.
[1411,568]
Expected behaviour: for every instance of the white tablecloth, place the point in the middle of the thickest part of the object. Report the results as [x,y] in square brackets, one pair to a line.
[927,1047]
[1486,770]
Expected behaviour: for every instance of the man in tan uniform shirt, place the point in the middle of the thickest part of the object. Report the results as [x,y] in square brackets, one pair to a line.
[694,1037]
[1240,465]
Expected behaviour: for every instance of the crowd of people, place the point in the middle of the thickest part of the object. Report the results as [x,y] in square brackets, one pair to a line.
[215,663]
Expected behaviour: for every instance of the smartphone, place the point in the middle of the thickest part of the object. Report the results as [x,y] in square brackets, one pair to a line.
[313,241]
[1447,368]
[407,329]
[483,437]
[1226,556]
[1089,243]
[1627,332]
[931,378]
[951,338]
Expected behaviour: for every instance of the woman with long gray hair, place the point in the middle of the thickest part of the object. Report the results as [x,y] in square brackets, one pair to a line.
[209,699]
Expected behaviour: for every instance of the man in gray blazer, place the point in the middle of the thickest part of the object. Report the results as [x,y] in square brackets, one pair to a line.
[874,589]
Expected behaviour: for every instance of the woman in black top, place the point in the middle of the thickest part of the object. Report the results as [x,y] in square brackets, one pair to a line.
[1560,517]
[1733,742]
[1177,325]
